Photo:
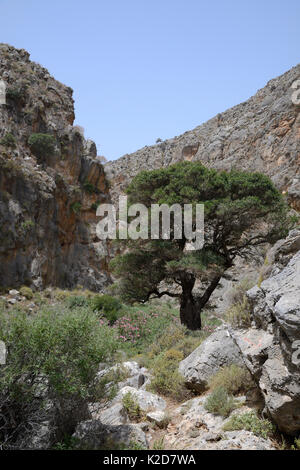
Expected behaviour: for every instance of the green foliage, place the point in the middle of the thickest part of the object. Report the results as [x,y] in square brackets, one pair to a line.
[42,145]
[132,407]
[68,443]
[16,94]
[166,378]
[8,140]
[76,207]
[26,292]
[75,301]
[159,443]
[27,225]
[234,379]
[220,403]
[239,314]
[64,346]
[235,205]
[95,205]
[250,422]
[296,445]
[89,187]
[109,306]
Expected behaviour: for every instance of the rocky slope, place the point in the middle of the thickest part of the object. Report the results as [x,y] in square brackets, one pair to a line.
[47,204]
[261,134]
[270,349]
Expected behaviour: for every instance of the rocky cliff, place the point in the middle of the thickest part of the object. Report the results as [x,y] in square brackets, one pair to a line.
[261,134]
[47,201]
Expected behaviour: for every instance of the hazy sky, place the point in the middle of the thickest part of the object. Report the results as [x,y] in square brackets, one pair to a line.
[143,69]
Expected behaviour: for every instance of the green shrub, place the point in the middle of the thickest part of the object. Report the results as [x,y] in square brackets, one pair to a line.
[42,145]
[234,379]
[159,443]
[132,407]
[26,292]
[27,225]
[296,445]
[65,346]
[16,94]
[77,301]
[239,314]
[8,140]
[250,422]
[76,207]
[109,306]
[220,403]
[53,353]
[89,187]
[166,378]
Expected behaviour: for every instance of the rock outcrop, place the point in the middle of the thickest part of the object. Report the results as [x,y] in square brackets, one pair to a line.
[270,349]
[47,202]
[261,134]
[217,351]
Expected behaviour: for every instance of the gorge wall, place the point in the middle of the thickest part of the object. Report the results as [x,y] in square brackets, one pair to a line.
[261,134]
[48,203]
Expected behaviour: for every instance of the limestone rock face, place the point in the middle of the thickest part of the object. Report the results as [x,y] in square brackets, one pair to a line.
[276,309]
[47,202]
[270,349]
[261,134]
[217,351]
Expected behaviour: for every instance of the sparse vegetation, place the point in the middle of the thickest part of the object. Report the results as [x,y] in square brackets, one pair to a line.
[108,306]
[8,140]
[220,403]
[132,407]
[27,225]
[166,378]
[89,187]
[234,379]
[42,145]
[26,292]
[76,207]
[239,314]
[250,422]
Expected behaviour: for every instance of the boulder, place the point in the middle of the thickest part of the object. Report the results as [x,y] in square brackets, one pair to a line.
[94,435]
[147,401]
[218,350]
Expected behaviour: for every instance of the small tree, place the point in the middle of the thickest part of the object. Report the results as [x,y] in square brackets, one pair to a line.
[42,145]
[242,211]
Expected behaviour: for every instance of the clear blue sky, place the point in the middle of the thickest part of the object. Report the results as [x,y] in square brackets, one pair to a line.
[143,69]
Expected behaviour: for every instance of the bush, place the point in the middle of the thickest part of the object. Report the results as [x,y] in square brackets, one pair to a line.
[65,346]
[56,353]
[26,292]
[42,145]
[89,187]
[220,403]
[132,407]
[234,379]
[77,301]
[250,422]
[8,140]
[239,314]
[166,378]
[76,207]
[109,306]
